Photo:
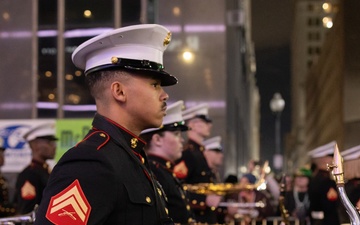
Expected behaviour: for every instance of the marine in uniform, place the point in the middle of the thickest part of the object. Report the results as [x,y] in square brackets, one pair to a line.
[164,147]
[192,168]
[105,179]
[214,155]
[6,207]
[31,181]
[323,195]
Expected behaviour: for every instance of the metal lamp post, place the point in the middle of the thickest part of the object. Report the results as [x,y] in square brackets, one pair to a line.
[277,105]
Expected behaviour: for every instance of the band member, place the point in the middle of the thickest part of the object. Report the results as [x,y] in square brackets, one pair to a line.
[164,146]
[32,181]
[214,155]
[105,179]
[192,168]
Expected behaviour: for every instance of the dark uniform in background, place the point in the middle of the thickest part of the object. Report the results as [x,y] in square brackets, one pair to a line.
[178,204]
[198,172]
[30,185]
[164,147]
[32,181]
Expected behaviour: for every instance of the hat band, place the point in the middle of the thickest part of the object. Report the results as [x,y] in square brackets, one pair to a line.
[129,64]
[174,126]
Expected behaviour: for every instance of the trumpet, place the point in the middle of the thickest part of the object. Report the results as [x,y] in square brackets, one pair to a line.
[337,170]
[227,188]
[20,219]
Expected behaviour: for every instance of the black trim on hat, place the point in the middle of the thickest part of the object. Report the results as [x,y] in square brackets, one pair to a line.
[215,149]
[174,126]
[138,65]
[2,149]
[47,137]
[204,117]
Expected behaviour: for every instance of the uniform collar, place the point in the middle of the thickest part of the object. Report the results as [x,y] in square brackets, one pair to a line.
[166,163]
[115,130]
[43,165]
[195,146]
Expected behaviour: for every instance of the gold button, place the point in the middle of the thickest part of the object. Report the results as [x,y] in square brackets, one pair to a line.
[203,173]
[167,211]
[168,164]
[213,208]
[183,196]
[114,60]
[159,191]
[202,203]
[190,220]
[148,199]
[188,207]
[194,202]
[102,135]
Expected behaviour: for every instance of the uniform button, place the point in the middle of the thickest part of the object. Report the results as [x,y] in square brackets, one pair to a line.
[188,207]
[168,164]
[102,135]
[167,211]
[148,199]
[202,203]
[194,202]
[159,191]
[183,196]
[213,208]
[190,220]
[203,173]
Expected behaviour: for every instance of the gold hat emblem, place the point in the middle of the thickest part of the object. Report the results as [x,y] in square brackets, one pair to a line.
[167,39]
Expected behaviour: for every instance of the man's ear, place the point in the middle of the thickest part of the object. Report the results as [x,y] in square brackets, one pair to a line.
[156,139]
[118,91]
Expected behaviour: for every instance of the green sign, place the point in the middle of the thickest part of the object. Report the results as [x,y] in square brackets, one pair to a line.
[70,132]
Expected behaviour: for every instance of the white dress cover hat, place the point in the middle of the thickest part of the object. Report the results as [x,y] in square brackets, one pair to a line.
[137,47]
[173,119]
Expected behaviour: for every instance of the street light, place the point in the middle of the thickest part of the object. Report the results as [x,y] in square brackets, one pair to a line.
[277,105]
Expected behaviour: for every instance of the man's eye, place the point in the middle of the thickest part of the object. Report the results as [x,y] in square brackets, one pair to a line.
[156,84]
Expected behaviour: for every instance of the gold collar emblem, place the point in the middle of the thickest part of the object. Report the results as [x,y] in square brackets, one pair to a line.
[134,142]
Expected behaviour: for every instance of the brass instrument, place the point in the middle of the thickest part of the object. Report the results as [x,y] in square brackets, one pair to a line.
[259,204]
[227,188]
[337,170]
[20,219]
[284,212]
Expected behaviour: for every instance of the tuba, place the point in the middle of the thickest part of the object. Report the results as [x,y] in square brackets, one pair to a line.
[337,170]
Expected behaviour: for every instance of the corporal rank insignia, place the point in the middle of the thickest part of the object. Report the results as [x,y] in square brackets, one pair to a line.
[70,206]
[28,191]
[181,170]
